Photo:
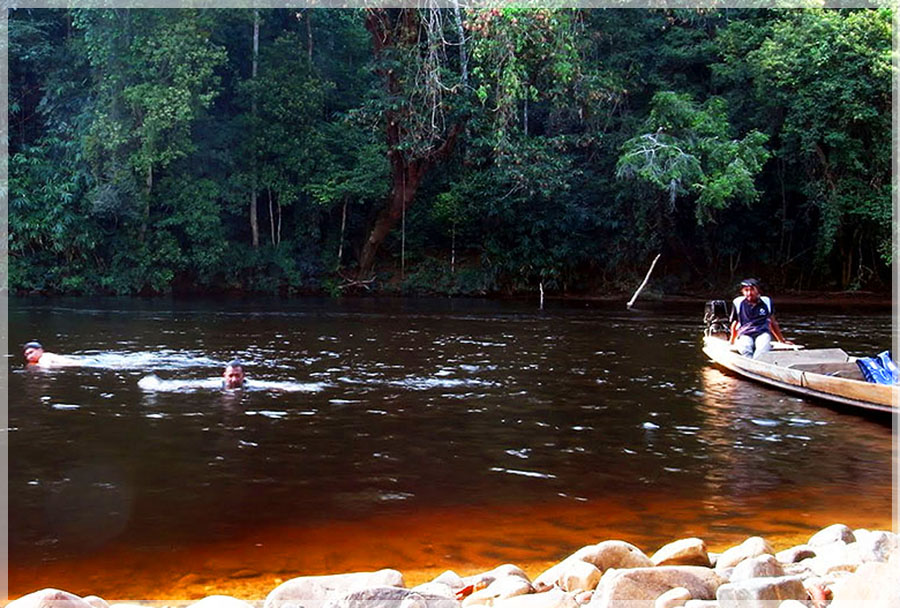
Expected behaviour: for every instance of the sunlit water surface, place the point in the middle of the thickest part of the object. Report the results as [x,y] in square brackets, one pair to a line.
[418,435]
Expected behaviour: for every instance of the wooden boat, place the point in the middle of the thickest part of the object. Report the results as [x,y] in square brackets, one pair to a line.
[823,373]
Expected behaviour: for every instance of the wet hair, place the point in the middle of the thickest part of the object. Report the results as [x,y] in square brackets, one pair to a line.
[32,344]
[750,283]
[235,363]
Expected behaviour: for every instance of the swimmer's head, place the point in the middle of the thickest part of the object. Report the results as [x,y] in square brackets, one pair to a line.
[33,351]
[234,374]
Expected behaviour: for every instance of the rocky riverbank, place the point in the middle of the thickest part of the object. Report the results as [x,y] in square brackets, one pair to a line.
[837,567]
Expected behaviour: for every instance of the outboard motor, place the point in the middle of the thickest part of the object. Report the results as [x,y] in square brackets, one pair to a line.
[715,319]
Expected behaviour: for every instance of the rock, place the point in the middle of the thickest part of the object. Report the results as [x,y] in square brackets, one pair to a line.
[760,592]
[508,586]
[818,590]
[433,588]
[795,554]
[604,555]
[831,534]
[49,598]
[579,576]
[613,554]
[835,557]
[491,575]
[672,598]
[314,591]
[451,579]
[877,546]
[644,585]
[390,597]
[757,567]
[873,585]
[96,602]
[584,597]
[800,570]
[555,598]
[220,601]
[752,547]
[684,552]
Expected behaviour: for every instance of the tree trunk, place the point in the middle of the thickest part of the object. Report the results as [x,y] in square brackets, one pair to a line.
[254,219]
[271,218]
[278,235]
[399,29]
[406,177]
[453,249]
[148,188]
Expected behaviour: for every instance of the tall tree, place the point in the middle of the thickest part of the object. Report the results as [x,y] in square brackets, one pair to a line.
[154,72]
[820,80]
[414,108]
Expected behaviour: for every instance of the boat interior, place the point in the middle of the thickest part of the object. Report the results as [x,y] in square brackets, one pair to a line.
[826,361]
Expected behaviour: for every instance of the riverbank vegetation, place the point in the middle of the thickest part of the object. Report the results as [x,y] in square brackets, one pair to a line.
[476,151]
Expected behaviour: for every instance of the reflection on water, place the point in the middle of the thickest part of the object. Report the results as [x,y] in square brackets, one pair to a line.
[476,433]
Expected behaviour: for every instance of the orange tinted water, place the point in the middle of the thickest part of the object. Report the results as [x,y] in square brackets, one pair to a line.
[422,545]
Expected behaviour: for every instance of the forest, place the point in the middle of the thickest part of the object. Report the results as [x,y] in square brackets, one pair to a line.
[452,151]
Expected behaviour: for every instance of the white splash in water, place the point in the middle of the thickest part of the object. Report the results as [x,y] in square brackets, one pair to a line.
[155,383]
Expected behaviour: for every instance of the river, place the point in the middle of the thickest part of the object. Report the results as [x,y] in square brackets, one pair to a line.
[415,434]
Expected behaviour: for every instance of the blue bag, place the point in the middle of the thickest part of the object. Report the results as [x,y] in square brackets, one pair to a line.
[887,362]
[880,369]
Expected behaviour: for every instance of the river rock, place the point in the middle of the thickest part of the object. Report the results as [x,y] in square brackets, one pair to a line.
[795,554]
[390,597]
[684,552]
[555,598]
[584,597]
[49,598]
[873,585]
[752,547]
[604,555]
[220,601]
[835,557]
[877,546]
[486,578]
[757,567]
[96,601]
[831,534]
[760,592]
[641,586]
[450,579]
[433,588]
[507,586]
[314,591]
[673,598]
[579,576]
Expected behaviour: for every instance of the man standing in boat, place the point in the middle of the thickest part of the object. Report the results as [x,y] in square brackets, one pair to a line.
[753,321]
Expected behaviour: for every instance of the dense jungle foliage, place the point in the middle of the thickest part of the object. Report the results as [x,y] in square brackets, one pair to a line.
[447,151]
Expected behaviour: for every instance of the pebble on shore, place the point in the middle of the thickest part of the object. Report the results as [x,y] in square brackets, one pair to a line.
[837,567]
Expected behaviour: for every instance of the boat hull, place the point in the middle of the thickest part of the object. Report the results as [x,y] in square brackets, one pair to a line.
[804,372]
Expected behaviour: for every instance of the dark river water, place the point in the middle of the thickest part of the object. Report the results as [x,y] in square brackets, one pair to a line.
[406,433]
